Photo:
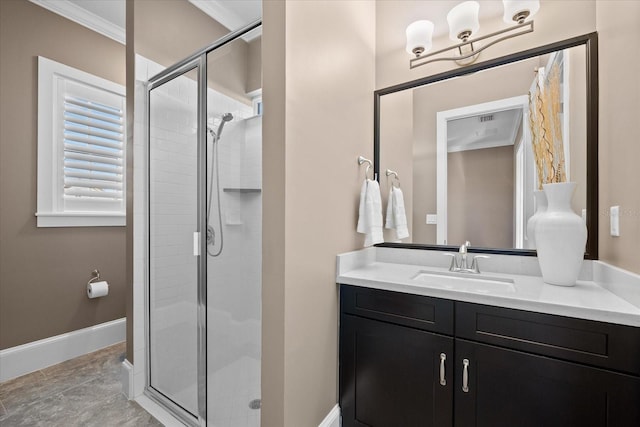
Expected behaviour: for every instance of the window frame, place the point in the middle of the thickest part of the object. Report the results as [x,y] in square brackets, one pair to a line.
[50,170]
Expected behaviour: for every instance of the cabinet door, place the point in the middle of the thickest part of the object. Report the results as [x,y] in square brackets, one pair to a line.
[510,388]
[390,375]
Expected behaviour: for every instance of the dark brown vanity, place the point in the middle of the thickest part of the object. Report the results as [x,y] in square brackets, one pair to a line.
[411,360]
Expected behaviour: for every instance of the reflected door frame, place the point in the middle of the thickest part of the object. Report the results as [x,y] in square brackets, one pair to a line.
[442,117]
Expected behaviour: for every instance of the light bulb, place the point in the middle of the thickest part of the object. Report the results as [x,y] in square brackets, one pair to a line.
[463,20]
[519,10]
[419,37]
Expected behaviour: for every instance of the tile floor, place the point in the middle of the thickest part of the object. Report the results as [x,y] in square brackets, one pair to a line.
[85,391]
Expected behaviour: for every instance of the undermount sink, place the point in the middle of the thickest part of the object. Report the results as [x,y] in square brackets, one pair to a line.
[480,283]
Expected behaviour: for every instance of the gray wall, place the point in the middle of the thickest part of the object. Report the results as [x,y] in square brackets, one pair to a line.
[44,271]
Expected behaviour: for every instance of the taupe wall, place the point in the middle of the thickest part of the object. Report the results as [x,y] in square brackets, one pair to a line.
[170,30]
[619,152]
[44,271]
[480,204]
[254,65]
[318,85]
[273,214]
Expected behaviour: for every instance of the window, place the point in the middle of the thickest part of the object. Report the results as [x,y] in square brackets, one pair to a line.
[81,155]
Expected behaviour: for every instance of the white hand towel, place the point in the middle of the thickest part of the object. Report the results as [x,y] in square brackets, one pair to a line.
[390,222]
[396,216]
[362,220]
[370,213]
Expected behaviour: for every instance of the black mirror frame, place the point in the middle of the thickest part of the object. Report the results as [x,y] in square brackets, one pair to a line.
[590,41]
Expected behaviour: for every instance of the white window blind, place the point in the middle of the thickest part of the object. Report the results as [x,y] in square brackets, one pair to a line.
[93,150]
[81,148]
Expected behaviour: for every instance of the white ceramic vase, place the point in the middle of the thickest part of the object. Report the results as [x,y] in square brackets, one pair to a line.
[541,207]
[560,236]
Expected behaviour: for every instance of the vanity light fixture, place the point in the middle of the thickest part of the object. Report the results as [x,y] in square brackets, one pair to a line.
[463,24]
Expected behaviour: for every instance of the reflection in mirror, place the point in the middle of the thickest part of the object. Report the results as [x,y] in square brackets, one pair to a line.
[463,149]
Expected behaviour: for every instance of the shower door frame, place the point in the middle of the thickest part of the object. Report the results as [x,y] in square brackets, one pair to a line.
[196,60]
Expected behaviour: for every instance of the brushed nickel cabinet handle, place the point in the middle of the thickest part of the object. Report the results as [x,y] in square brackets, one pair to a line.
[465,375]
[443,380]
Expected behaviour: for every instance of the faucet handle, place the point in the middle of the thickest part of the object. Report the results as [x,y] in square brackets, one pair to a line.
[454,261]
[474,263]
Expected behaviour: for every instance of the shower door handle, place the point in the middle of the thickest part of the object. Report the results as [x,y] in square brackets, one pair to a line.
[196,243]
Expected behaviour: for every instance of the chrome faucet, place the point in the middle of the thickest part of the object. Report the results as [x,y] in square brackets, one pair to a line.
[460,261]
[463,255]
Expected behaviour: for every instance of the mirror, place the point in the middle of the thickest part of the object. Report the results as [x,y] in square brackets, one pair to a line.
[460,142]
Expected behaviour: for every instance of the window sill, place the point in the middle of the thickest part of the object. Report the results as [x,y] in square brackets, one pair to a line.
[81,219]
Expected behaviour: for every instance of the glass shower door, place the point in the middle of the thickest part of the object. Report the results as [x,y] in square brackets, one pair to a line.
[234,237]
[173,252]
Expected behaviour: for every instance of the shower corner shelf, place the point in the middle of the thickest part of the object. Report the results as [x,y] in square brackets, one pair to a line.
[241,190]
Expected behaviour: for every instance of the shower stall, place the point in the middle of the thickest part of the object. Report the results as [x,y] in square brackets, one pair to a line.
[204,228]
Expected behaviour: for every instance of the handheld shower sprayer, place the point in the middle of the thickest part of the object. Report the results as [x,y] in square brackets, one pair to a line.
[211,235]
[226,117]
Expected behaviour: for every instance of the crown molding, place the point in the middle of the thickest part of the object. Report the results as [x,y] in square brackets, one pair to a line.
[85,18]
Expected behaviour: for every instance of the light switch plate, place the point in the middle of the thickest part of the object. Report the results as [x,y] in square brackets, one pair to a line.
[432,219]
[614,217]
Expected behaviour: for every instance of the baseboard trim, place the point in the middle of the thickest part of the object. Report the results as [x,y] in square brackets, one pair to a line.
[332,419]
[127,379]
[30,357]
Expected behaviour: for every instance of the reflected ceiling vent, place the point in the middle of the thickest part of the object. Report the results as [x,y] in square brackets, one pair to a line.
[486,118]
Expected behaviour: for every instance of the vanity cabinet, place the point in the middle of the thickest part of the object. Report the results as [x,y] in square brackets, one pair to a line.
[409,360]
[396,360]
[391,375]
[512,388]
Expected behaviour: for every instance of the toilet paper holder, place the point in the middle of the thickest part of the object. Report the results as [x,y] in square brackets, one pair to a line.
[96,276]
[97,288]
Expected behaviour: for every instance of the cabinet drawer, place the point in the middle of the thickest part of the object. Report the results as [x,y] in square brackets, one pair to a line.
[428,314]
[600,344]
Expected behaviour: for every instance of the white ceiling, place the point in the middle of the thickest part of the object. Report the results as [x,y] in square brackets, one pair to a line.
[107,17]
[110,10]
[495,129]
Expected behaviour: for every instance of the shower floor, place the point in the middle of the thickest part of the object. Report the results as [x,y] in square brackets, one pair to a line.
[231,390]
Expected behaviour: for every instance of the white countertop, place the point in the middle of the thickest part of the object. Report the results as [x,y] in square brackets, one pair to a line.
[588,299]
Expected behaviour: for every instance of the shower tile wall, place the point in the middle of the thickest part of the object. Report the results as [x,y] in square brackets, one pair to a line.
[234,282]
[234,278]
